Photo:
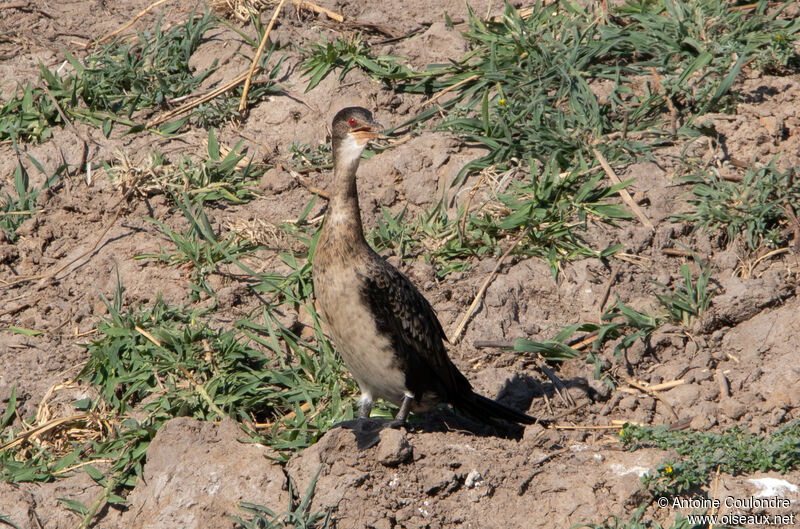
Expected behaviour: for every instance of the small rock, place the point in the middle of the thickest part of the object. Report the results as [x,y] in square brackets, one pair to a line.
[393,448]
[718,335]
[771,124]
[733,409]
[683,396]
[421,274]
[533,431]
[435,482]
[479,491]
[727,260]
[276,180]
[383,523]
[385,196]
[628,403]
[601,389]
[229,296]
[474,479]
[636,353]
[28,227]
[100,308]
[706,416]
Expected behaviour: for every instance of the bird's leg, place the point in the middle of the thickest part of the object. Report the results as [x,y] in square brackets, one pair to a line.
[364,406]
[402,415]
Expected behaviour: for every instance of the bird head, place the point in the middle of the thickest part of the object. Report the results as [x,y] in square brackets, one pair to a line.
[351,130]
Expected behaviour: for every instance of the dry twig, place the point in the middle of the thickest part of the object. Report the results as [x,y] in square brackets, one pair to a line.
[197,102]
[24,436]
[452,87]
[303,182]
[606,292]
[129,24]
[653,392]
[676,252]
[254,65]
[626,197]
[333,15]
[479,296]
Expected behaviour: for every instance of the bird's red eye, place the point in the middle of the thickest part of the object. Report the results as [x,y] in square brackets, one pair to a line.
[352,122]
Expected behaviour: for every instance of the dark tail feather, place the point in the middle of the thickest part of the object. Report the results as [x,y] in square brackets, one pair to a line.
[485,410]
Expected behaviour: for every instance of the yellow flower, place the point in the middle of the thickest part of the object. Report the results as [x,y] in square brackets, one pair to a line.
[668,470]
[502,101]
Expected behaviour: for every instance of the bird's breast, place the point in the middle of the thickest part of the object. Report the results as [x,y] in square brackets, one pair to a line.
[367,352]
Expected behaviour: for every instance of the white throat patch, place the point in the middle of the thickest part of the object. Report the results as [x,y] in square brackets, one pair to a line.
[349,150]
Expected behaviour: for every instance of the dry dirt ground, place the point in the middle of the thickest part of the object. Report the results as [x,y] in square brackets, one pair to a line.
[739,364]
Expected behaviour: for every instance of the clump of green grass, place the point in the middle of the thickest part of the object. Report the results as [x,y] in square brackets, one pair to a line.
[224,175]
[691,298]
[620,323]
[297,516]
[757,209]
[28,115]
[147,73]
[199,247]
[225,108]
[432,234]
[525,89]
[551,209]
[344,54]
[733,451]
[116,81]
[546,212]
[306,157]
[779,55]
[14,210]
[111,84]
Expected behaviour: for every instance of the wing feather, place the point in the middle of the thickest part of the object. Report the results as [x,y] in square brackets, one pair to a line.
[403,313]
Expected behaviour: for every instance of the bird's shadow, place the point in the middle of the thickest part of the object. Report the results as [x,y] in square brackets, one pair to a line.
[368,431]
[518,393]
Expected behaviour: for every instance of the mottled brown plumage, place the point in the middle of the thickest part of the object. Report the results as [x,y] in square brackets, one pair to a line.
[386,331]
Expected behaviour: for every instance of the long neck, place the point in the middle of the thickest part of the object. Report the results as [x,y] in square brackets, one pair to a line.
[343,216]
[344,202]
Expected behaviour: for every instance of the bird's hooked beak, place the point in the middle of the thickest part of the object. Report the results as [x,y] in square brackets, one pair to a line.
[362,133]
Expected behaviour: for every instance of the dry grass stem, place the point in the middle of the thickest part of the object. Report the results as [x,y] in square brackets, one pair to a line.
[561,389]
[606,292]
[44,428]
[626,197]
[654,393]
[585,427]
[129,24]
[309,6]
[676,252]
[303,182]
[190,105]
[240,9]
[265,234]
[254,65]
[449,88]
[479,296]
